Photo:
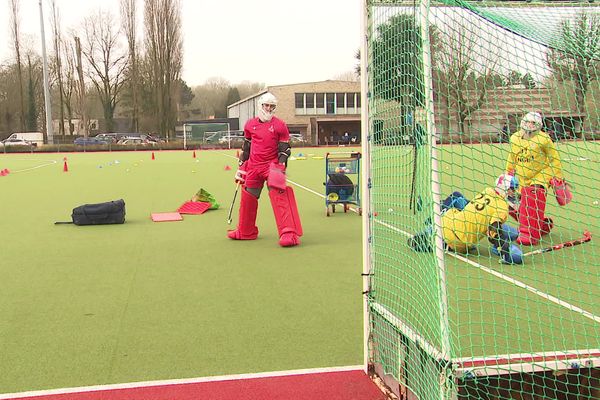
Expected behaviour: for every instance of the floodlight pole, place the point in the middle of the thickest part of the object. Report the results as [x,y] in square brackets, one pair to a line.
[185,136]
[47,102]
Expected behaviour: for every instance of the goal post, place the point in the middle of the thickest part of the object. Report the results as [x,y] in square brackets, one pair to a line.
[449,87]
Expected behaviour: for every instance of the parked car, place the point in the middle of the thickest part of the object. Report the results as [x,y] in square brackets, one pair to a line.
[136,141]
[296,137]
[89,141]
[107,137]
[233,139]
[212,137]
[16,142]
[34,138]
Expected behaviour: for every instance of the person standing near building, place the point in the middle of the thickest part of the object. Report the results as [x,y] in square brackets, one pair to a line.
[534,160]
[264,155]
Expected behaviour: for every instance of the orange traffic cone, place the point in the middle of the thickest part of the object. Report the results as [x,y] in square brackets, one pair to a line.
[153,155]
[65,166]
[194,155]
[237,154]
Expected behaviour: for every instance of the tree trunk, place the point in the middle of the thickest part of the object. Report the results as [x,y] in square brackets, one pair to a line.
[82,102]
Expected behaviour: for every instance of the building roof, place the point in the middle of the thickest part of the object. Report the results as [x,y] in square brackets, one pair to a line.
[265,90]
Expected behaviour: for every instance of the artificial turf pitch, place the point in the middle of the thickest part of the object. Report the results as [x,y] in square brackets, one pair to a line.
[149,301]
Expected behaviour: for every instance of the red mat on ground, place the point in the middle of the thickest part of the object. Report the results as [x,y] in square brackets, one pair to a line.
[166,217]
[193,207]
[342,385]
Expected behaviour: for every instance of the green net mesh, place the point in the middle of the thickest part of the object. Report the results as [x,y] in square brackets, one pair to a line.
[492,310]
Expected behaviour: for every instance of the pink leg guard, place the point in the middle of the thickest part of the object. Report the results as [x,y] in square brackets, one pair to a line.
[246,229]
[531,216]
[286,216]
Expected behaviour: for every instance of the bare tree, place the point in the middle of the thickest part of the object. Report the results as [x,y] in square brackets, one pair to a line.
[106,61]
[577,57]
[211,97]
[349,76]
[81,87]
[14,8]
[128,17]
[459,80]
[247,88]
[164,52]
[69,82]
[58,64]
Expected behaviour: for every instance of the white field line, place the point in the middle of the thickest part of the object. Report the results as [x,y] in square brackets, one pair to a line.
[134,385]
[497,274]
[509,279]
[47,163]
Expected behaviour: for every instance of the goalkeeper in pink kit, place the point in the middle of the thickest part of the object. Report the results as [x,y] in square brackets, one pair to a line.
[263,159]
[533,158]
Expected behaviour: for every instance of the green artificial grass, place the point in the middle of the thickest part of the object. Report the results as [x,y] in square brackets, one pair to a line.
[87,305]
[489,314]
[148,301]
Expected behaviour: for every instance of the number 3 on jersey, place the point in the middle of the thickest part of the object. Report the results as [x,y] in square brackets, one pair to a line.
[481,201]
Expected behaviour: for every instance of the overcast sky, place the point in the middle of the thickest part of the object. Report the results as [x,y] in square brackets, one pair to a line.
[269,41]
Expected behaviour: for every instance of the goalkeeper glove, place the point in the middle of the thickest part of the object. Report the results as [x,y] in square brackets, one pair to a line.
[562,191]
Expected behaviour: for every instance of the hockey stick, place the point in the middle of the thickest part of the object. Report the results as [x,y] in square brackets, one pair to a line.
[587,236]
[418,141]
[411,201]
[237,187]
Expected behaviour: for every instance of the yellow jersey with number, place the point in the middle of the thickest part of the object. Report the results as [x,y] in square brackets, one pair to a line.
[534,160]
[462,229]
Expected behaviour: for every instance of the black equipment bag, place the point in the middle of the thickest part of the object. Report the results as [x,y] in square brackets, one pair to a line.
[110,212]
[338,182]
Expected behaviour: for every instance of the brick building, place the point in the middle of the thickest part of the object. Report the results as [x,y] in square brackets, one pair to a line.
[322,112]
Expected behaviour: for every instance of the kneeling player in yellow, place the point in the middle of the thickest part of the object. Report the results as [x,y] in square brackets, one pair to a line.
[465,223]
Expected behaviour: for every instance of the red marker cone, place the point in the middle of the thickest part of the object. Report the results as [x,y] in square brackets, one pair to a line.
[227,168]
[65,166]
[7,171]
[194,155]
[3,172]
[153,155]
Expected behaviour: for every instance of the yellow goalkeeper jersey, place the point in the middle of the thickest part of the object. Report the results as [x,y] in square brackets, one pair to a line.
[535,160]
[462,229]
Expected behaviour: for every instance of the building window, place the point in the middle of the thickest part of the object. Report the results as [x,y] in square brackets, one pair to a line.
[299,100]
[330,101]
[340,100]
[320,100]
[350,103]
[326,103]
[310,101]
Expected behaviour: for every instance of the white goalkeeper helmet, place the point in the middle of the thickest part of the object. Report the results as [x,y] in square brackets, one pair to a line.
[266,106]
[531,122]
[507,185]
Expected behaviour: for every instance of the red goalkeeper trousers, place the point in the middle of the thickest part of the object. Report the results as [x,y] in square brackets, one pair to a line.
[532,224]
[246,229]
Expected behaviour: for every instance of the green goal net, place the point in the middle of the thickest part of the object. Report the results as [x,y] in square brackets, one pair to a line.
[477,288]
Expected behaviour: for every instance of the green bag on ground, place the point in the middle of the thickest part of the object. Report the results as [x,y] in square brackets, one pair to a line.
[206,197]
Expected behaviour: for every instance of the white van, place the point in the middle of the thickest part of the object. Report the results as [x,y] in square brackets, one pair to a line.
[35,138]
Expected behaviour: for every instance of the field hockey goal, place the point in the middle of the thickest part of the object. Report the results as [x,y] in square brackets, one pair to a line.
[445,84]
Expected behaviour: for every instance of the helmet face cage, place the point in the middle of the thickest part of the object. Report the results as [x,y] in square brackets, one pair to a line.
[526,122]
[266,99]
